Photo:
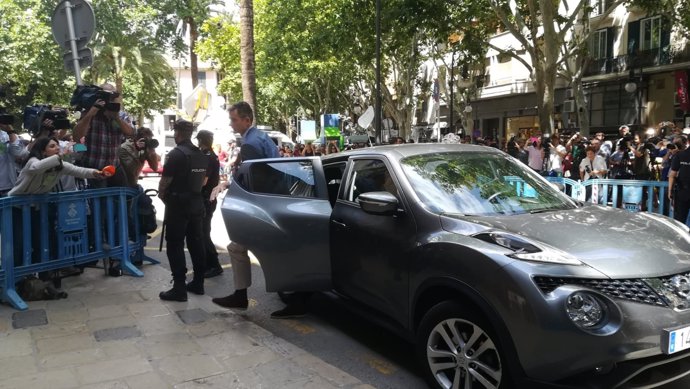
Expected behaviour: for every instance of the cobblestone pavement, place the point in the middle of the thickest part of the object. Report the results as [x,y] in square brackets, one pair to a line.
[115,333]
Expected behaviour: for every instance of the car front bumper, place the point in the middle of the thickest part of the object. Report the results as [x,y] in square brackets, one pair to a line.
[551,348]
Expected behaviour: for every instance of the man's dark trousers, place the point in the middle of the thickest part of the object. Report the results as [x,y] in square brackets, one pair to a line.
[209,246]
[183,220]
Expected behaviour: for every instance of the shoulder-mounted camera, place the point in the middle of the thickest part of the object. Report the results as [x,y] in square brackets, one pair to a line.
[36,115]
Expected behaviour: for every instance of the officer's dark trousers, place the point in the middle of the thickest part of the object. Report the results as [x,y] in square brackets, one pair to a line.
[183,220]
[681,203]
[209,246]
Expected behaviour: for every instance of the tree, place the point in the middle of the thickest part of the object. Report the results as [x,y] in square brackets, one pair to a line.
[125,52]
[173,20]
[220,42]
[247,54]
[31,69]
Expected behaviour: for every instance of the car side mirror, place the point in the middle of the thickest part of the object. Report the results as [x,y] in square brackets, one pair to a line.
[378,203]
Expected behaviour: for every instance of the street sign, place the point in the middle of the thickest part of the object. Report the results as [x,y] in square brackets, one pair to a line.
[85,56]
[73,25]
[84,23]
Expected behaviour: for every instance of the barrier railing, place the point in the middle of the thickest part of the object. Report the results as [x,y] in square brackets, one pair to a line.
[48,232]
[628,194]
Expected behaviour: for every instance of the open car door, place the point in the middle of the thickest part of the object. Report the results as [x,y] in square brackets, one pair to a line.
[279,210]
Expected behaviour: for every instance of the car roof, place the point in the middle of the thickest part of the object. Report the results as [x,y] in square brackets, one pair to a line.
[406,150]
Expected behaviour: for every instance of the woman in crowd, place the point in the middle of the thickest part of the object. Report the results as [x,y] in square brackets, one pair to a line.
[44,168]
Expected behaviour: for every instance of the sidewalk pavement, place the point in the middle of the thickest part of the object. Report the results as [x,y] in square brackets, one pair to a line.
[116,333]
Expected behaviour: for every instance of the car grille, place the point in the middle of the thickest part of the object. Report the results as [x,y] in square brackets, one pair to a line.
[629,289]
[675,290]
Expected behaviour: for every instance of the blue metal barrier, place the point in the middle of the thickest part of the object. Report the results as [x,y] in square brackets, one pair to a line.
[623,193]
[66,229]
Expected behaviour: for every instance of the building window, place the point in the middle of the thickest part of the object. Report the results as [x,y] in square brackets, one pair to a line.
[201,77]
[650,33]
[599,44]
[599,6]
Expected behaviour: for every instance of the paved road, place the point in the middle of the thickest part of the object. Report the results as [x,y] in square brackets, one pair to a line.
[330,331]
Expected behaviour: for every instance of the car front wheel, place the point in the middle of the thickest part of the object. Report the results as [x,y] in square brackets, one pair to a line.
[459,350]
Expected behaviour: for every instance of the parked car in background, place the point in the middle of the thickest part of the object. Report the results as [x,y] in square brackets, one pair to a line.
[498,279]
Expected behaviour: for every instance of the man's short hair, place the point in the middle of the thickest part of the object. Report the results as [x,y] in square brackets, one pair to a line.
[184,126]
[591,148]
[243,109]
[623,127]
[205,137]
[144,132]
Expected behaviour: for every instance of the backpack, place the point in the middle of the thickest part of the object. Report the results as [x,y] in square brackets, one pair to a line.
[147,212]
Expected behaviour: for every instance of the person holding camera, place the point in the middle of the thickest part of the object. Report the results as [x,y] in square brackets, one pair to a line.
[103,130]
[592,167]
[11,150]
[133,153]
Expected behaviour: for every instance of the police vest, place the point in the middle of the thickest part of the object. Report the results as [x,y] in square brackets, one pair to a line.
[197,163]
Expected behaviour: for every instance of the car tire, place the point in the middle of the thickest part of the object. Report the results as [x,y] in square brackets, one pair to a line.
[459,349]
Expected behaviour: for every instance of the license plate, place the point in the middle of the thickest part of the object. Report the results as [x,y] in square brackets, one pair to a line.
[677,340]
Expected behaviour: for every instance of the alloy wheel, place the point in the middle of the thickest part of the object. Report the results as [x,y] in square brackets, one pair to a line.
[461,355]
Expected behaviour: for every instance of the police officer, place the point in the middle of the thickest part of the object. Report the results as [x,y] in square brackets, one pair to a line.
[679,185]
[205,140]
[184,175]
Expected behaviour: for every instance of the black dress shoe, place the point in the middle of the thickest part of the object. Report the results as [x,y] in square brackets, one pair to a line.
[174,294]
[232,302]
[196,287]
[213,272]
[291,311]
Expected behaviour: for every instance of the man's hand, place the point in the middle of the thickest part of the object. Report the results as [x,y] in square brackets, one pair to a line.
[218,190]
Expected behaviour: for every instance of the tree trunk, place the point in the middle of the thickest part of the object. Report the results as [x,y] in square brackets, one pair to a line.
[247,54]
[545,89]
[193,36]
[581,107]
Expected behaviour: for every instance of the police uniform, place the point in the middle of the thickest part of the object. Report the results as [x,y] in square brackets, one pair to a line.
[184,213]
[213,267]
[681,187]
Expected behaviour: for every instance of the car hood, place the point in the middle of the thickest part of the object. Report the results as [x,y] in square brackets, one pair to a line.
[617,243]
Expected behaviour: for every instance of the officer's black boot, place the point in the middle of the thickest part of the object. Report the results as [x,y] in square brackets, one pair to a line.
[196,286]
[177,293]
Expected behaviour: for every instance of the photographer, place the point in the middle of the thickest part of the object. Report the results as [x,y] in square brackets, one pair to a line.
[592,167]
[133,153]
[11,150]
[103,129]
[556,154]
[642,152]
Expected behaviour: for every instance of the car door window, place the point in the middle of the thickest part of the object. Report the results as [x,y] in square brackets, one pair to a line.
[334,174]
[295,179]
[370,175]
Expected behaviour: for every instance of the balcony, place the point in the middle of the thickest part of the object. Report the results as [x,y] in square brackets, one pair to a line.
[642,59]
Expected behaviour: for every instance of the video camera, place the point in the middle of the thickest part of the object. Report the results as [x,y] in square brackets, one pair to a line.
[152,143]
[35,115]
[85,96]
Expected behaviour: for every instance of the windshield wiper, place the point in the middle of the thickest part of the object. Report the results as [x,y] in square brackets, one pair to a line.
[542,210]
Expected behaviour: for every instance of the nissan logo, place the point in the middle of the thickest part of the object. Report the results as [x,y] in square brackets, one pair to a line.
[681,286]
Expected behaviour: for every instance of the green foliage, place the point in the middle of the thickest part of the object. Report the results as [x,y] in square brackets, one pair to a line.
[31,69]
[220,42]
[125,52]
[677,11]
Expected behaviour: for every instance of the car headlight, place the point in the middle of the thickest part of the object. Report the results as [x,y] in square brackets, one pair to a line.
[526,249]
[585,310]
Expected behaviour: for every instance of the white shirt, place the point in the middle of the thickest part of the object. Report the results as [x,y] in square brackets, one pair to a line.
[597,164]
[555,159]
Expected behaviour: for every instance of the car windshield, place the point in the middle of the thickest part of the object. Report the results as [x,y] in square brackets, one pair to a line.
[480,184]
